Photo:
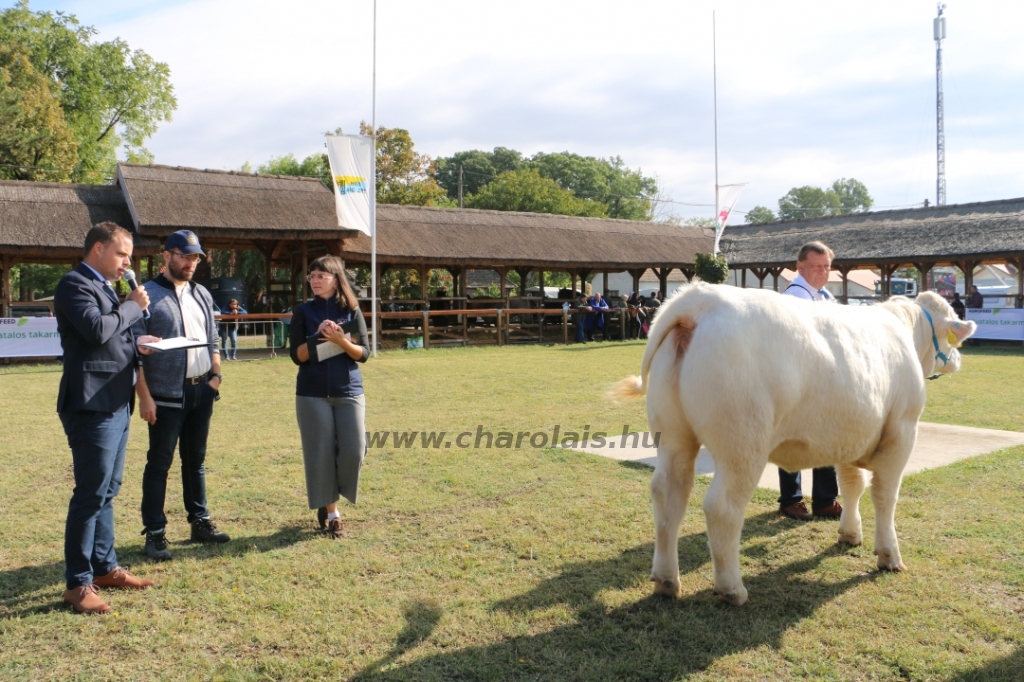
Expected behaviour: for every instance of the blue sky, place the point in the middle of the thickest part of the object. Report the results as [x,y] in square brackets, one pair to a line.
[808,92]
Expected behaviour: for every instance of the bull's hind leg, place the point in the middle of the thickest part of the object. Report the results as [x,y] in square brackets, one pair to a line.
[671,486]
[851,487]
[724,506]
[888,463]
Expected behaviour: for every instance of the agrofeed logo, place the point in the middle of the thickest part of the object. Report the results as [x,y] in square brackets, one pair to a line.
[350,184]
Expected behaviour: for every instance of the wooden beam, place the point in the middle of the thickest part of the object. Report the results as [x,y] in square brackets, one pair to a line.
[844,272]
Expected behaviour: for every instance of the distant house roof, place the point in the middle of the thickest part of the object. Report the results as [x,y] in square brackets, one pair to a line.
[477,238]
[48,221]
[979,231]
[228,204]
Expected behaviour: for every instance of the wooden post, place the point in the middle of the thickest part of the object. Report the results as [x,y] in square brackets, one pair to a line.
[426,329]
[565,327]
[775,272]
[5,286]
[1019,264]
[305,268]
[584,273]
[743,279]
[922,275]
[844,272]
[423,272]
[636,274]
[663,274]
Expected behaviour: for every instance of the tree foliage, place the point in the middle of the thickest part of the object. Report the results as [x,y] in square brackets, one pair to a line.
[622,192]
[526,190]
[404,176]
[33,131]
[111,96]
[759,215]
[844,196]
[711,269]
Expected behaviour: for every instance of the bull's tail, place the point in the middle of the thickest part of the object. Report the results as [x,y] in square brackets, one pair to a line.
[676,322]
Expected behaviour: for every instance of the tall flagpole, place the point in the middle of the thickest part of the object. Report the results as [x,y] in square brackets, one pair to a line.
[375,296]
[714,76]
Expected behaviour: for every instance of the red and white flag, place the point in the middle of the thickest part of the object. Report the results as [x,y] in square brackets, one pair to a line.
[728,196]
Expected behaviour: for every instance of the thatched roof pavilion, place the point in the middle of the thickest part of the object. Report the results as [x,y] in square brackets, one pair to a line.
[961,235]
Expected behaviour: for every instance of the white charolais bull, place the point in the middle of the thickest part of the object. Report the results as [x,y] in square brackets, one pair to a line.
[758,377]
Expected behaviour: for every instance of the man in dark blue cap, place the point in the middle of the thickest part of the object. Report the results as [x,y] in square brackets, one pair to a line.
[177,389]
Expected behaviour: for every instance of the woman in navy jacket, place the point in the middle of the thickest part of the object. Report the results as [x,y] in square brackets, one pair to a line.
[329,401]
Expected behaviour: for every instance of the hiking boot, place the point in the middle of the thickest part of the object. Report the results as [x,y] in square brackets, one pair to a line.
[797,510]
[832,511]
[121,578]
[86,599]
[203,530]
[156,546]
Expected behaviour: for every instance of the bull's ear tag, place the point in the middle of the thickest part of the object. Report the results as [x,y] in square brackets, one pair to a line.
[951,337]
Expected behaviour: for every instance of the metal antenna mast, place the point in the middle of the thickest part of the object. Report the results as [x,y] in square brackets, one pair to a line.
[714,76]
[939,32]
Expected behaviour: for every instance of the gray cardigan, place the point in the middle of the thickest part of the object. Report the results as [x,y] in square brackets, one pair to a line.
[165,370]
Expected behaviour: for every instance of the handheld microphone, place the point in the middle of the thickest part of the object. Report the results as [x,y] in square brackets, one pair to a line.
[129,277]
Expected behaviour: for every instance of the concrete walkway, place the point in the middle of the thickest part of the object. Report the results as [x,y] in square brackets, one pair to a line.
[937,445]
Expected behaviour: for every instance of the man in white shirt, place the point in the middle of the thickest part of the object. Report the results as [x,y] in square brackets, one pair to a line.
[813,263]
[177,389]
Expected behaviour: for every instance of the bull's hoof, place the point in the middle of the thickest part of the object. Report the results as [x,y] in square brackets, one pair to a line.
[850,539]
[734,597]
[886,562]
[666,587]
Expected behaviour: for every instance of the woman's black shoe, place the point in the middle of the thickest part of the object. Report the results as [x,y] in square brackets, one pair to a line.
[321,517]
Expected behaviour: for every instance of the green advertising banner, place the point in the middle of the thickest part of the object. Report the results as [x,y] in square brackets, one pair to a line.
[26,337]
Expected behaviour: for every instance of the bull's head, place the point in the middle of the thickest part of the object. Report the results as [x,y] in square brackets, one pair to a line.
[942,332]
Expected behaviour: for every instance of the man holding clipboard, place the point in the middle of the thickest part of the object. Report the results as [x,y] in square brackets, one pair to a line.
[177,389]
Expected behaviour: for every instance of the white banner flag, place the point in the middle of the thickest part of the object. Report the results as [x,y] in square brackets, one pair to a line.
[726,202]
[351,158]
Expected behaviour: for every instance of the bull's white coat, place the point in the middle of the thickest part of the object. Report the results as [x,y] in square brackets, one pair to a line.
[758,377]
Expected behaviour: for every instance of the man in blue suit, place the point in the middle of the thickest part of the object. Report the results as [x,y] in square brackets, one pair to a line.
[94,403]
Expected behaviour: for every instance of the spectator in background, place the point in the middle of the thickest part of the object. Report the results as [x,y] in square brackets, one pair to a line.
[975,300]
[580,308]
[229,330]
[958,306]
[596,318]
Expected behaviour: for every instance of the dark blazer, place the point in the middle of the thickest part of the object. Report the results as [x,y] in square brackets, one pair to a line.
[100,358]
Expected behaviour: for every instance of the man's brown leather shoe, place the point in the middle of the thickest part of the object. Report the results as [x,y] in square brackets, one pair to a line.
[797,510]
[833,511]
[122,579]
[86,599]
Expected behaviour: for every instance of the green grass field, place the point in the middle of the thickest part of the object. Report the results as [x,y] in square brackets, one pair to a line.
[505,563]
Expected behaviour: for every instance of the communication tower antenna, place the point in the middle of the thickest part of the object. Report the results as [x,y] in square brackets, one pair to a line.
[939,33]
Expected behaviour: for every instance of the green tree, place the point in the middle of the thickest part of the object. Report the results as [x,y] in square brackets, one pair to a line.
[711,269]
[623,192]
[844,196]
[111,96]
[403,175]
[526,190]
[759,215]
[313,166]
[478,169]
[853,195]
[33,132]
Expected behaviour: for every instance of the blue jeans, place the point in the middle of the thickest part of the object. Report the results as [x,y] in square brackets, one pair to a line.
[824,490]
[187,428]
[98,441]
[229,332]
[580,332]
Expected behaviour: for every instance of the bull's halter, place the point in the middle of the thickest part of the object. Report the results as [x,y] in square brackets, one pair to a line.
[939,355]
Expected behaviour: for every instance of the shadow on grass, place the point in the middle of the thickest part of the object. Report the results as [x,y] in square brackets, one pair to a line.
[21,589]
[653,638]
[1010,669]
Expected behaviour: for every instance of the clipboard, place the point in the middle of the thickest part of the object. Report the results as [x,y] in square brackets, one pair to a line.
[176,343]
[327,349]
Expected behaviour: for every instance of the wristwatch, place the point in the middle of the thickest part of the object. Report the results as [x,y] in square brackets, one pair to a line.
[217,374]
